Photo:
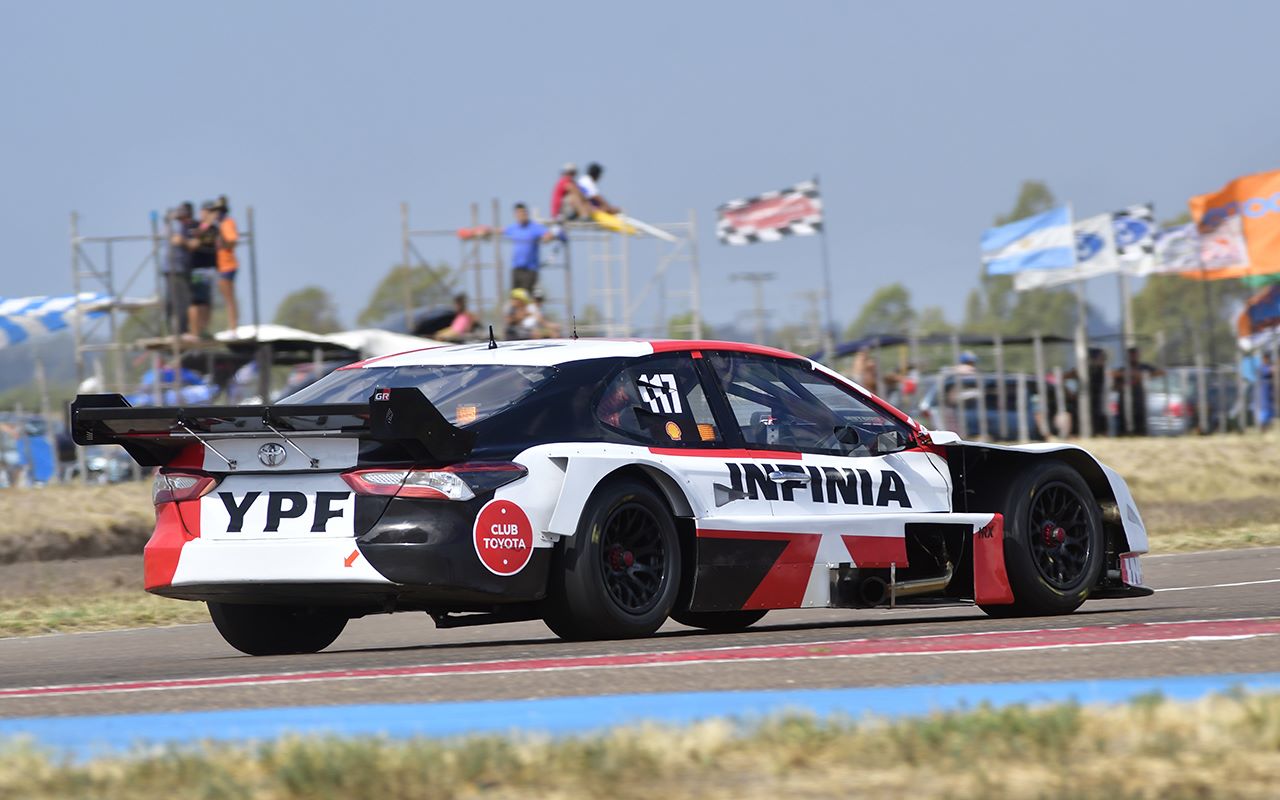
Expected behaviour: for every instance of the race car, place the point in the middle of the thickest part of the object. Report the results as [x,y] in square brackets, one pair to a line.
[603,486]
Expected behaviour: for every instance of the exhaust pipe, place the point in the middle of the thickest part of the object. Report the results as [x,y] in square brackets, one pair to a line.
[875,591]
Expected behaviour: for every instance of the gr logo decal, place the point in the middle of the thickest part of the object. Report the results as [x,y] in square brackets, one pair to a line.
[503,537]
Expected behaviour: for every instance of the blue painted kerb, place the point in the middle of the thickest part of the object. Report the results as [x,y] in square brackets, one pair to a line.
[87,736]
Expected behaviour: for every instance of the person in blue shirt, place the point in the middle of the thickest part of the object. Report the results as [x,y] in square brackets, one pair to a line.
[526,238]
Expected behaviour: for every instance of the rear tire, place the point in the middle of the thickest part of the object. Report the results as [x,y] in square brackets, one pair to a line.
[719,621]
[617,577]
[1053,546]
[266,630]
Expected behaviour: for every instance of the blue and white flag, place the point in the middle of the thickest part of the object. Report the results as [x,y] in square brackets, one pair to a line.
[24,317]
[1095,255]
[1034,243]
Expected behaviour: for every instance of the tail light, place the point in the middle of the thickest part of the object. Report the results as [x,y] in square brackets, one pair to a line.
[172,487]
[1177,408]
[454,482]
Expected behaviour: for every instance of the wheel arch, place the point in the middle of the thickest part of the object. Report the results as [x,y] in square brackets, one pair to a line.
[976,470]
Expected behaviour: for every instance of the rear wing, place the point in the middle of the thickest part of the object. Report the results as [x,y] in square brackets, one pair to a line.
[155,435]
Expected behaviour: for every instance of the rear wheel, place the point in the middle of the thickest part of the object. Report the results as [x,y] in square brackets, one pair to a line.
[719,621]
[618,575]
[1053,549]
[266,630]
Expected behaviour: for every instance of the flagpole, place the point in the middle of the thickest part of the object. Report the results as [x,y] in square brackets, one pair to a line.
[1084,401]
[828,346]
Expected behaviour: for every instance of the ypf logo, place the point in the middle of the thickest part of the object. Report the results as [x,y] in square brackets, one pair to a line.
[503,537]
[272,454]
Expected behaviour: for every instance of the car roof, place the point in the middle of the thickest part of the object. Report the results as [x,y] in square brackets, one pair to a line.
[550,352]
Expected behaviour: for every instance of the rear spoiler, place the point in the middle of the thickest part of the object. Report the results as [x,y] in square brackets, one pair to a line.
[154,435]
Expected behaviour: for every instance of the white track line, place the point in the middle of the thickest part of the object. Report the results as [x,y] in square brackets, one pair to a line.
[1217,586]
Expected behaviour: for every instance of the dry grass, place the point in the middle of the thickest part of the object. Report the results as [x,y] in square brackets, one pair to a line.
[1222,747]
[1201,493]
[74,521]
[26,615]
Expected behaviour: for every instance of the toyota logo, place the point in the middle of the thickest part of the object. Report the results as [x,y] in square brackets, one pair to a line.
[272,454]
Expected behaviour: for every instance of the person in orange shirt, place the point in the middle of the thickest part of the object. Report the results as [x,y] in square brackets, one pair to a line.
[228,237]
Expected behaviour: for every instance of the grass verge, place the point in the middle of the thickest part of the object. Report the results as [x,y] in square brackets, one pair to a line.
[1219,747]
[27,615]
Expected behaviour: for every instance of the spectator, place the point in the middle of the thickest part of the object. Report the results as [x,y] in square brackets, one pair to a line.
[526,236]
[518,317]
[228,237]
[463,323]
[177,266]
[1097,365]
[544,328]
[204,265]
[1266,392]
[967,364]
[567,202]
[589,186]
[1137,373]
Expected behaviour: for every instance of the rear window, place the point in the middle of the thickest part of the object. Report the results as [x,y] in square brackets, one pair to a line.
[464,394]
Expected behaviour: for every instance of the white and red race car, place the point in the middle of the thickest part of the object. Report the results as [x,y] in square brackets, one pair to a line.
[603,486]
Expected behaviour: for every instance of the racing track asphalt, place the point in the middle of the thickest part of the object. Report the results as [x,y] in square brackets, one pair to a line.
[403,658]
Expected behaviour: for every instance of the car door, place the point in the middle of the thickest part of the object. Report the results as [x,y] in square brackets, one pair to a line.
[843,474]
[662,404]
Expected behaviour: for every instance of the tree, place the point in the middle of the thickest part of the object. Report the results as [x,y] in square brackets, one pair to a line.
[888,311]
[680,326]
[422,285]
[310,309]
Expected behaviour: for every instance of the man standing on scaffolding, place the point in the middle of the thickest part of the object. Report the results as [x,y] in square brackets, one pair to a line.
[526,237]
[177,267]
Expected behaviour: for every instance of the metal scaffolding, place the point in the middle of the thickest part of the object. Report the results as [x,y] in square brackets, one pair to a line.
[95,269]
[609,266]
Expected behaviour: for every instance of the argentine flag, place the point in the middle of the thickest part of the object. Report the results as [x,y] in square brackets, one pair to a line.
[1044,241]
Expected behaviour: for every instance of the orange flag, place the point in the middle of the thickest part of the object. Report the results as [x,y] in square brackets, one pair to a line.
[1239,228]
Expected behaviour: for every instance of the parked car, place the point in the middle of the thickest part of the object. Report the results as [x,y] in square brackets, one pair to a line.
[962,390]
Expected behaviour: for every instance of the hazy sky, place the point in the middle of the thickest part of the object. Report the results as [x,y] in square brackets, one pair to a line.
[922,118]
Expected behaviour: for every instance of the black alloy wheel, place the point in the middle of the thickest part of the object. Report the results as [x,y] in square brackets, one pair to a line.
[633,552]
[617,577]
[1053,540]
[1061,550]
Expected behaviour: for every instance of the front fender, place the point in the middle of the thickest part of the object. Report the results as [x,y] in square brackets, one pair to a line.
[1107,484]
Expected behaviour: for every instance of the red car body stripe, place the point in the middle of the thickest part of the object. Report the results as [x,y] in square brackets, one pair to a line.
[877,551]
[784,584]
[712,452]
[160,556]
[375,359]
[990,579]
[679,345]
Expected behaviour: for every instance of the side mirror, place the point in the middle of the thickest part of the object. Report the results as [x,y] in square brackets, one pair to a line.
[889,442]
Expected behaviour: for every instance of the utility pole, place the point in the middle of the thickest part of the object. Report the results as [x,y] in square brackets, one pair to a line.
[817,338]
[758,280]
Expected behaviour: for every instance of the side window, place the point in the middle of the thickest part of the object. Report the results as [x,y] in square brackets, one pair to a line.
[659,401]
[786,405]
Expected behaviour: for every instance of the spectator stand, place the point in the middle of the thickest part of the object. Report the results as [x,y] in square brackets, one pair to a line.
[96,268]
[610,260]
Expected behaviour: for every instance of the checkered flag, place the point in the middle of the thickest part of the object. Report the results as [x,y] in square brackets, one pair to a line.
[1135,231]
[794,211]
